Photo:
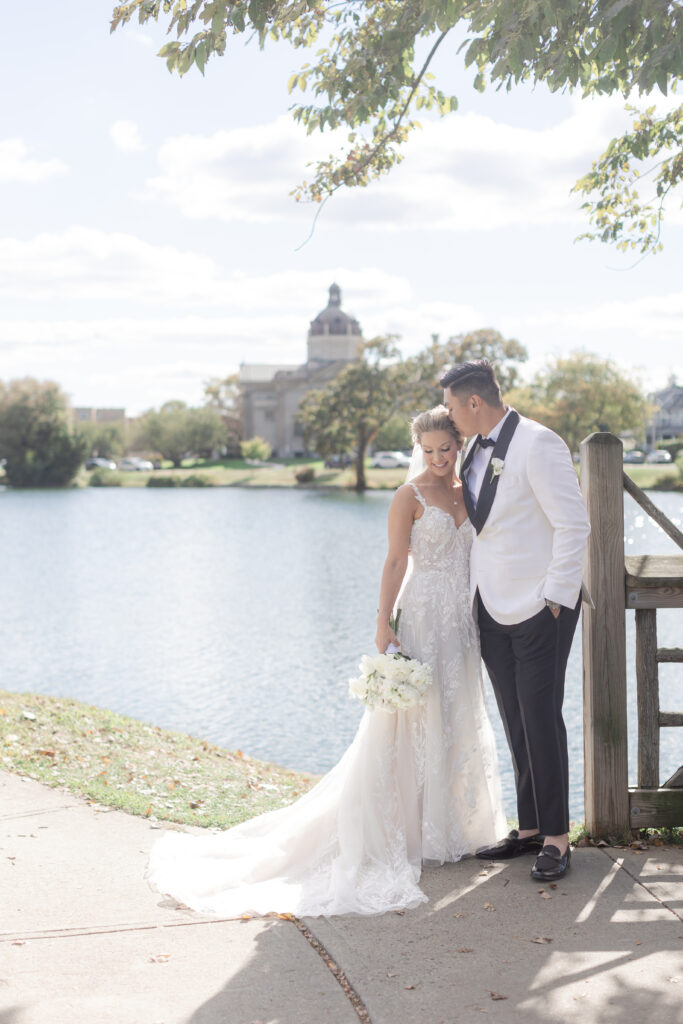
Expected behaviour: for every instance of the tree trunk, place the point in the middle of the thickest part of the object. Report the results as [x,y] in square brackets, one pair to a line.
[361,484]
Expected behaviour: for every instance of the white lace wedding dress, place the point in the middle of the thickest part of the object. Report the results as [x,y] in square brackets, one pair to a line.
[415,786]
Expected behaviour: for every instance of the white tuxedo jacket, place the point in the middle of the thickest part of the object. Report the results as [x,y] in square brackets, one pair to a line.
[532,543]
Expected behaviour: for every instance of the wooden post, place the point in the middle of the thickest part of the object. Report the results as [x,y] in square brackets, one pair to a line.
[604,640]
[647,678]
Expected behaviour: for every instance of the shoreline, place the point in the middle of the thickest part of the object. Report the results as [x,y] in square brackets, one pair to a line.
[282,478]
[113,760]
[125,763]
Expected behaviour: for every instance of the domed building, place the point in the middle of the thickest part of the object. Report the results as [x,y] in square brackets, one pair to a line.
[270,394]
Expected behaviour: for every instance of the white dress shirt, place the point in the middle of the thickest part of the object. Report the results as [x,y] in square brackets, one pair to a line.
[481,459]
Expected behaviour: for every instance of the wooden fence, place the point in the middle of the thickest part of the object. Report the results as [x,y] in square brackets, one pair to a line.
[617,583]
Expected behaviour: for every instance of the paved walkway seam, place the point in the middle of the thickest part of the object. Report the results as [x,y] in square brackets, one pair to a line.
[640,882]
[348,989]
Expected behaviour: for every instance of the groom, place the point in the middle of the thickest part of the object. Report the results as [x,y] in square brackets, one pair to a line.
[523,499]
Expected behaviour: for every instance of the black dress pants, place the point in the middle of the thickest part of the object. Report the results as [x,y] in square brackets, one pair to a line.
[526,663]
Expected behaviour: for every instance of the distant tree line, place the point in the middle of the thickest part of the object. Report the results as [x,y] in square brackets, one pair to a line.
[369,404]
[372,401]
[41,446]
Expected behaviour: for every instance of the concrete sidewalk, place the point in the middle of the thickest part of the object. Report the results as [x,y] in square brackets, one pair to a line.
[84,939]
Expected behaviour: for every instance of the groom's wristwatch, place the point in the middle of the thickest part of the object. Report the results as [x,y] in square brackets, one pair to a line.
[553,605]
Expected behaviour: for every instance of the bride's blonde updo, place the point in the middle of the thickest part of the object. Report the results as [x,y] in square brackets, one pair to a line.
[432,420]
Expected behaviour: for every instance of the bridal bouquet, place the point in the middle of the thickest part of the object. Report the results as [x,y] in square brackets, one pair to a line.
[391,681]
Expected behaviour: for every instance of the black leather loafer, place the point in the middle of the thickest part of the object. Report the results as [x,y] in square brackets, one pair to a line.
[512,846]
[551,864]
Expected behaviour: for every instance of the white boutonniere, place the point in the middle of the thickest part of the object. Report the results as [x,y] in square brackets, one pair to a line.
[496,468]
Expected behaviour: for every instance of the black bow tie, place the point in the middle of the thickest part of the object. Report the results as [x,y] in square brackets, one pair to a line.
[485,442]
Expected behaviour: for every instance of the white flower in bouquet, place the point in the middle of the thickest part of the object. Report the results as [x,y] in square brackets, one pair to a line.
[359,687]
[391,682]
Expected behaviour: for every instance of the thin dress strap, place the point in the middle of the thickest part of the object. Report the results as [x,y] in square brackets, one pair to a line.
[419,496]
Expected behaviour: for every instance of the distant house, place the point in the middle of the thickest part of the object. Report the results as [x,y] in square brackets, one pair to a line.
[667,421]
[270,394]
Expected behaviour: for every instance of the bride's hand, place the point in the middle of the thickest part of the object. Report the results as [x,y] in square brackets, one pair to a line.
[385,636]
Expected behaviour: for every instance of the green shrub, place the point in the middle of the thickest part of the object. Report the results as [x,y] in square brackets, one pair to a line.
[162,481]
[305,475]
[196,480]
[39,446]
[104,478]
[256,448]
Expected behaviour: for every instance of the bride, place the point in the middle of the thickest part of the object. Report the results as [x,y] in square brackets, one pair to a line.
[416,786]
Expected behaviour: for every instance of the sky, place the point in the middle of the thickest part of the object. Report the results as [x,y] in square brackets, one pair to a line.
[148,240]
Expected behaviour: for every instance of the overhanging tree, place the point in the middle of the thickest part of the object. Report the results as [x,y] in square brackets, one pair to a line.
[371,75]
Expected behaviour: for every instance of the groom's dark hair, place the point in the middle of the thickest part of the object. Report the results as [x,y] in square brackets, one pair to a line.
[476,377]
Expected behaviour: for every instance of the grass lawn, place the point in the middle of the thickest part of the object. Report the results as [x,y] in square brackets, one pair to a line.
[281,473]
[142,769]
[649,477]
[236,473]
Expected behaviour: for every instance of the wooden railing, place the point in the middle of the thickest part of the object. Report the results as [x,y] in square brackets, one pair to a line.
[644,583]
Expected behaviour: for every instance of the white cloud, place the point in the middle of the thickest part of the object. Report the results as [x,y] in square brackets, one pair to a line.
[140,361]
[84,263]
[170,318]
[126,136]
[462,173]
[644,334]
[17,165]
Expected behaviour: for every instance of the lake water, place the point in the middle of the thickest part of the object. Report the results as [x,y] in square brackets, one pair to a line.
[235,615]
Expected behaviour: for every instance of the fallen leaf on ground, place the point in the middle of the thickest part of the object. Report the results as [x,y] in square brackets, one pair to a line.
[19,942]
[160,958]
[458,915]
[542,940]
[400,912]
[497,995]
[489,906]
[465,949]
[410,986]
[544,895]
[553,885]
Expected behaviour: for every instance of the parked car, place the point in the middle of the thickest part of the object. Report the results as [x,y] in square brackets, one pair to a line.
[659,455]
[99,463]
[635,455]
[338,461]
[131,463]
[390,460]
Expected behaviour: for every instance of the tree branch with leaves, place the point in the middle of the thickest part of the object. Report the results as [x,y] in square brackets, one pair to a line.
[371,71]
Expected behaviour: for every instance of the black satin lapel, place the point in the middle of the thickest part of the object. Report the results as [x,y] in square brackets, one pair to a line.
[490,483]
[468,459]
[469,505]
[466,493]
